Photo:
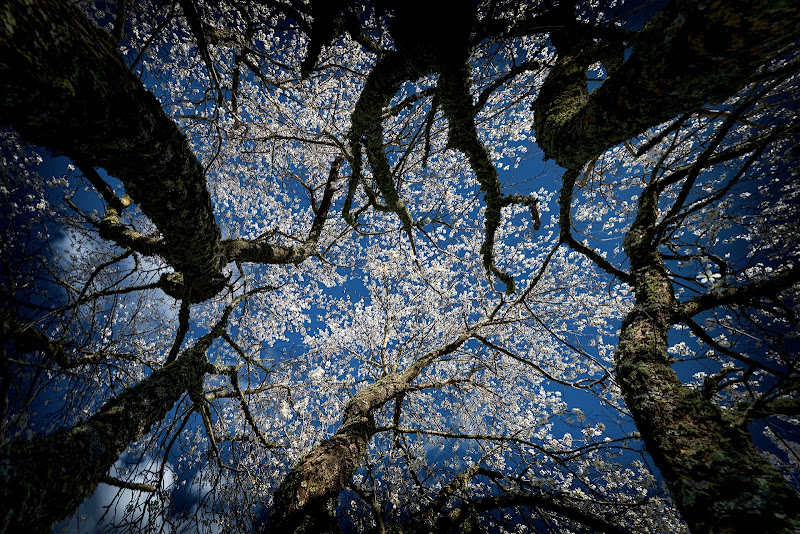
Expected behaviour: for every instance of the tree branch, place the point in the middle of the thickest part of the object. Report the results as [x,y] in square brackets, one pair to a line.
[740,295]
[689,55]
[66,87]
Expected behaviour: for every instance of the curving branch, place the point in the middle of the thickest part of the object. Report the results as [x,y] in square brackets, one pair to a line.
[366,130]
[690,54]
[456,102]
[727,296]
[565,225]
[105,117]
[65,86]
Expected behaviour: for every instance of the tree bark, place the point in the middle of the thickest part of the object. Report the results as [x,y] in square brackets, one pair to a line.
[64,85]
[307,498]
[45,479]
[691,54]
[719,480]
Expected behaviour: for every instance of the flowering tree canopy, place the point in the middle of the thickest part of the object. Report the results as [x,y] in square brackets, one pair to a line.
[390,266]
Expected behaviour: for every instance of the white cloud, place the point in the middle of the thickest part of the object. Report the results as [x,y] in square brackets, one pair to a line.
[112,505]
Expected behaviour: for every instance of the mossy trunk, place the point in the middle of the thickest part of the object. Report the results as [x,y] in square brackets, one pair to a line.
[691,54]
[44,479]
[307,498]
[64,85]
[719,480]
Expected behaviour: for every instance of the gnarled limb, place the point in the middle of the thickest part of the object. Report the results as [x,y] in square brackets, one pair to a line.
[306,499]
[65,86]
[690,54]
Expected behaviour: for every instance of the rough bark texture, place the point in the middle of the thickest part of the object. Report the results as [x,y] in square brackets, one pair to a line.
[45,479]
[63,85]
[719,480]
[242,250]
[693,53]
[306,500]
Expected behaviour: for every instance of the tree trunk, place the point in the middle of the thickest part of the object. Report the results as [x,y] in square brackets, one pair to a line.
[719,480]
[307,498]
[64,85]
[691,54]
[45,479]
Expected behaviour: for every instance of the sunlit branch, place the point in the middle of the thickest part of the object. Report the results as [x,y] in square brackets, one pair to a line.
[307,492]
[565,224]
[740,295]
[110,228]
[256,251]
[444,383]
[111,481]
[454,488]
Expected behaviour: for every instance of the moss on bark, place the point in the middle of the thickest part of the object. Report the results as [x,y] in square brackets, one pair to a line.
[719,480]
[692,53]
[44,479]
[64,85]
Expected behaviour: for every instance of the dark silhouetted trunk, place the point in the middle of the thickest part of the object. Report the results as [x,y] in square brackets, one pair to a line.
[44,479]
[719,480]
[64,85]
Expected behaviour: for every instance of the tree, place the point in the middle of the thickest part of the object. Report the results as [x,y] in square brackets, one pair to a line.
[321,273]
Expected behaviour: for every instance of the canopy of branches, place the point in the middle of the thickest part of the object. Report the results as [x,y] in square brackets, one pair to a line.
[383,266]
